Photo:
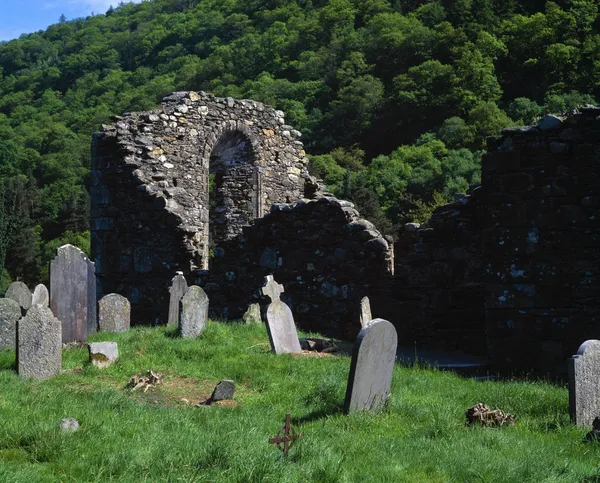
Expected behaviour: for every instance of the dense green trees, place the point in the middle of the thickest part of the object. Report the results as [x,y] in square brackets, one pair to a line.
[395,98]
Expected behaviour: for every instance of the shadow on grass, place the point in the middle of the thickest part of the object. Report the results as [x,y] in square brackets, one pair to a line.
[172,332]
[8,361]
[320,414]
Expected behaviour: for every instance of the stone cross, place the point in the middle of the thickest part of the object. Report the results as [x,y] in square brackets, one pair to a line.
[39,352]
[280,321]
[19,292]
[10,313]
[373,358]
[114,313]
[193,313]
[584,384]
[365,311]
[72,289]
[178,289]
[40,296]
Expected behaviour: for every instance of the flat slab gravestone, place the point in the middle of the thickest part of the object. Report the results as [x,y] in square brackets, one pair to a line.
[114,313]
[70,291]
[365,311]
[39,352]
[41,296]
[178,289]
[373,358]
[193,313]
[584,384]
[10,313]
[19,292]
[280,320]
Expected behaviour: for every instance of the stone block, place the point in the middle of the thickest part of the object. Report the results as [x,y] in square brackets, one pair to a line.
[103,354]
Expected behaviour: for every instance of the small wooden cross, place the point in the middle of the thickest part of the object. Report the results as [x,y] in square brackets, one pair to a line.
[286,436]
[272,289]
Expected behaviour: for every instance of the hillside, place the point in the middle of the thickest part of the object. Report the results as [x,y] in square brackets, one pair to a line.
[394,98]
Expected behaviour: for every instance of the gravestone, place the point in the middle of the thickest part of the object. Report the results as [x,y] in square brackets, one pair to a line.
[10,313]
[72,291]
[39,351]
[584,384]
[114,314]
[40,296]
[92,313]
[193,312]
[365,311]
[19,292]
[280,321]
[223,390]
[103,354]
[178,289]
[252,315]
[373,357]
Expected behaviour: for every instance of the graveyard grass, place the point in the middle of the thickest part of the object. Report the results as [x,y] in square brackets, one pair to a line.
[156,436]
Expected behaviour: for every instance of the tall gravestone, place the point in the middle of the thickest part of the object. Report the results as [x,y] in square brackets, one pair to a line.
[584,384]
[178,289]
[40,296]
[193,313]
[20,293]
[39,352]
[365,311]
[10,313]
[114,313]
[373,358]
[280,321]
[73,292]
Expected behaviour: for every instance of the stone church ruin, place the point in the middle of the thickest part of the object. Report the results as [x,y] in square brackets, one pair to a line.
[219,189]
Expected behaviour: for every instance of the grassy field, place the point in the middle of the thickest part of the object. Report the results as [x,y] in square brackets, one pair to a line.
[158,436]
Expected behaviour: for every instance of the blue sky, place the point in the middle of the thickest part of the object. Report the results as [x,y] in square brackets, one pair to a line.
[26,16]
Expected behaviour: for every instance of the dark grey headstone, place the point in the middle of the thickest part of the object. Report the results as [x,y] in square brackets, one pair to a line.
[39,354]
[178,289]
[193,313]
[252,315]
[373,357]
[19,292]
[103,354]
[584,384]
[280,321]
[92,314]
[10,313]
[365,311]
[224,390]
[41,296]
[70,292]
[114,313]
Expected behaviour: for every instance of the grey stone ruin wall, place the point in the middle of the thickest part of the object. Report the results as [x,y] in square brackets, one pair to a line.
[150,213]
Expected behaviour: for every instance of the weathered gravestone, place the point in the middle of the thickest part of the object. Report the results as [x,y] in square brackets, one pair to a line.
[373,357]
[39,351]
[73,293]
[114,314]
[252,315]
[10,313]
[19,292]
[280,321]
[365,311]
[103,354]
[178,289]
[584,384]
[41,296]
[193,312]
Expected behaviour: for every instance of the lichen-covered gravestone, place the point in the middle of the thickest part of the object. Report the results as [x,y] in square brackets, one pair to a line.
[73,293]
[252,315]
[114,313]
[584,384]
[103,354]
[10,313]
[19,292]
[41,296]
[178,289]
[365,311]
[280,321]
[373,357]
[193,312]
[39,354]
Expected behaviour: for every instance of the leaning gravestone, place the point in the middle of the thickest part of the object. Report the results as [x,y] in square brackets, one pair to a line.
[19,292]
[280,321]
[373,357]
[72,291]
[365,311]
[40,296]
[178,289]
[193,312]
[584,384]
[39,351]
[10,313]
[114,314]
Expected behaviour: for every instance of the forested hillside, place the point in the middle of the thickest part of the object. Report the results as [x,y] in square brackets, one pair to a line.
[394,98]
